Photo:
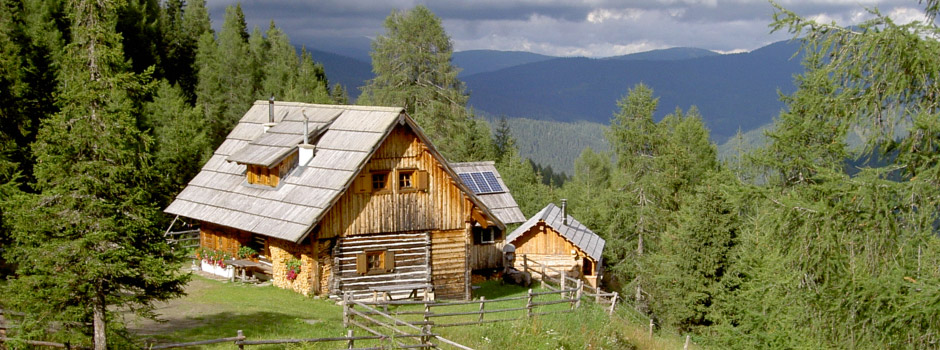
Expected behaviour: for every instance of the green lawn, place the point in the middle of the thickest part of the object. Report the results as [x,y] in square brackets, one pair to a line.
[216,309]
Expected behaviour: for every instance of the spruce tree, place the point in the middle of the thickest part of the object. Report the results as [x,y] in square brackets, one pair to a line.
[86,245]
[226,79]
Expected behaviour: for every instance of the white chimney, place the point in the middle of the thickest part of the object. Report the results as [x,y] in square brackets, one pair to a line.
[305,150]
[564,212]
[270,122]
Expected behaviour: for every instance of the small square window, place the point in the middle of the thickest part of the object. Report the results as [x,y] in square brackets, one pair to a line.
[406,179]
[379,181]
[375,261]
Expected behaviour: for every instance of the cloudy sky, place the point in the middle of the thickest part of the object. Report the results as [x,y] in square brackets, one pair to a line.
[592,28]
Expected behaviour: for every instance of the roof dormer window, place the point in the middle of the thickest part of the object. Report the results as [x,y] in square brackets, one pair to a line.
[271,177]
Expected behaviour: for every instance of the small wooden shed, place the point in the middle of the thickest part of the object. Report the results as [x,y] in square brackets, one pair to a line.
[555,239]
[355,197]
[486,252]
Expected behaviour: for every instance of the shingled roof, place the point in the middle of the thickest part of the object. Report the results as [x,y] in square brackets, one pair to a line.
[501,202]
[348,136]
[574,231]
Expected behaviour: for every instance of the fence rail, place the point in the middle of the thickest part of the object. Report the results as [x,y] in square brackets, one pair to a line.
[600,297]
[185,239]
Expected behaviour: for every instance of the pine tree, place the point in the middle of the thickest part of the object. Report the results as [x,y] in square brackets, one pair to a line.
[85,245]
[182,25]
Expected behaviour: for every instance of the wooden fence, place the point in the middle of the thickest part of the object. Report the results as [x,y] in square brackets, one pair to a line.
[183,239]
[396,330]
[546,277]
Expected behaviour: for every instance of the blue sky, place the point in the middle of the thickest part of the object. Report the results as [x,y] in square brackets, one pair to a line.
[592,28]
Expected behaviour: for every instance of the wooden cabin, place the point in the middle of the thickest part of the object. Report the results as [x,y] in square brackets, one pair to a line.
[486,250]
[356,196]
[555,239]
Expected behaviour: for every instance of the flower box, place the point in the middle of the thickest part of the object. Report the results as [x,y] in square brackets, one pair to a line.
[217,270]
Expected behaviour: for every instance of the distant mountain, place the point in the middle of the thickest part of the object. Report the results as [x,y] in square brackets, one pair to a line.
[736,91]
[348,71]
[480,61]
[673,54]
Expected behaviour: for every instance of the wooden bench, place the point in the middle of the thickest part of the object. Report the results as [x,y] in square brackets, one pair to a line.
[414,288]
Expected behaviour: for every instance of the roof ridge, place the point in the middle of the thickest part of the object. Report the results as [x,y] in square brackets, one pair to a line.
[317,105]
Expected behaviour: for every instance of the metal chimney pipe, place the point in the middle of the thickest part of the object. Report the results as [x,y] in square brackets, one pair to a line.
[564,211]
[306,128]
[271,110]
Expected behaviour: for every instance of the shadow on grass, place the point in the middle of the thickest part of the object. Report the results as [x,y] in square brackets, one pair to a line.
[255,326]
[497,289]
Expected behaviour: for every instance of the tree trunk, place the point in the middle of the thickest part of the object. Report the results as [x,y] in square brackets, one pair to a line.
[639,290]
[100,338]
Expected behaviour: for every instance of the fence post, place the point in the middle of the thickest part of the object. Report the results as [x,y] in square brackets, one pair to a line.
[651,329]
[525,264]
[427,317]
[543,277]
[577,296]
[241,336]
[350,341]
[686,347]
[346,306]
[482,302]
[528,305]
[613,303]
[426,335]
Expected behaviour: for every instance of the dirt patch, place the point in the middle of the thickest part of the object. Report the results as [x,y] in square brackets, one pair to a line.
[175,314]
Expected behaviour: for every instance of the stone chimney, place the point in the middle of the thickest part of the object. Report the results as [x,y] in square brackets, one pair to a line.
[564,212]
[305,150]
[270,122]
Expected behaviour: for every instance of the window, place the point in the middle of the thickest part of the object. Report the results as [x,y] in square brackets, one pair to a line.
[379,181]
[486,235]
[375,262]
[406,180]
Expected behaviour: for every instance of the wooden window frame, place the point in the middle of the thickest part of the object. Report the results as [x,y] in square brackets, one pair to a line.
[372,181]
[411,178]
[386,262]
[480,232]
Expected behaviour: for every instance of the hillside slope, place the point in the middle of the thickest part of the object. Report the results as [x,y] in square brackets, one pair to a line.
[738,91]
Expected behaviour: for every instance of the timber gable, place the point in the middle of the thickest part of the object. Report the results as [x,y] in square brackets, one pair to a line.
[371,203]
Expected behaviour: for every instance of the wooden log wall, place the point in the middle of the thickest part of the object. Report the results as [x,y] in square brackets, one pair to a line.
[411,262]
[283,251]
[442,207]
[545,245]
[486,256]
[450,266]
[222,238]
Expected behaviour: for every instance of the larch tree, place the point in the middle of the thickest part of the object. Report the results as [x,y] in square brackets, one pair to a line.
[837,260]
[85,245]
[413,69]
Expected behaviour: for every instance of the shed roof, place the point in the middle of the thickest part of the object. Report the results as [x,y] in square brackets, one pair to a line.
[349,136]
[501,203]
[574,231]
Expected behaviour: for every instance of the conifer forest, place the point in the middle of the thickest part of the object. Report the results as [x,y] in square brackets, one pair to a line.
[109,108]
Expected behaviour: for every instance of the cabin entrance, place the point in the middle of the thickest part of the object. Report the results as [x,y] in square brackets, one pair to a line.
[587,267]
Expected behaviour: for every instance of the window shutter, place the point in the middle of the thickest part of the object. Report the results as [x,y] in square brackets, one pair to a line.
[361,267]
[389,261]
[421,180]
[362,184]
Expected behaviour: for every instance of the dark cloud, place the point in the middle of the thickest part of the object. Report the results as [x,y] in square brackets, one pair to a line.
[554,27]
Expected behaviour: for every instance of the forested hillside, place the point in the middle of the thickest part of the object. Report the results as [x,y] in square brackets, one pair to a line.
[110,108]
[555,144]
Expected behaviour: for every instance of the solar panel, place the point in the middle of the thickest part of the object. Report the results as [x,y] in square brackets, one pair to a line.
[481,182]
[467,180]
[491,181]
